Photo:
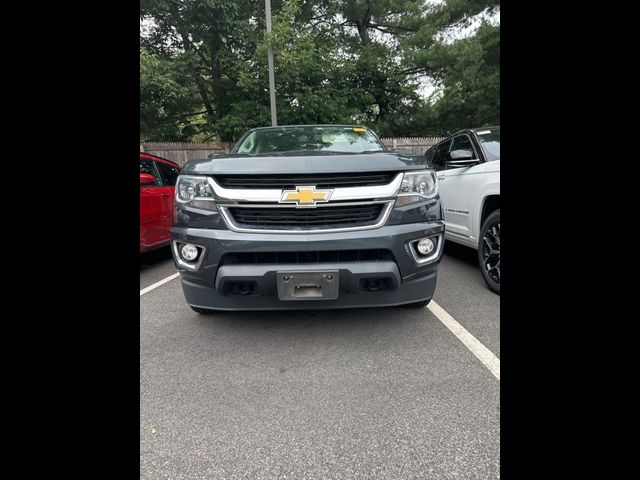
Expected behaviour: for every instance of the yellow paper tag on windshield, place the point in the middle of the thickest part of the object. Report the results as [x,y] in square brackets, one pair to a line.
[359,129]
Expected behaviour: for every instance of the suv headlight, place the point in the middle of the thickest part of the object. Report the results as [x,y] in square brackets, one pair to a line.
[195,191]
[417,186]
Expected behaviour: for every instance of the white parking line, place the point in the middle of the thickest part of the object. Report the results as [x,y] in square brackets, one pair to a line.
[157,284]
[485,355]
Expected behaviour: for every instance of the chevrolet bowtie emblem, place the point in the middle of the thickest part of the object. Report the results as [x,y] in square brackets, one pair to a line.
[306,196]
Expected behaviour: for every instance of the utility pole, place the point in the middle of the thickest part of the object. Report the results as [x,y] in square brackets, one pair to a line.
[272,82]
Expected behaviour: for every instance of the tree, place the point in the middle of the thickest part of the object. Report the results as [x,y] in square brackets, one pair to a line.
[469,72]
[204,72]
[213,40]
[466,71]
[170,108]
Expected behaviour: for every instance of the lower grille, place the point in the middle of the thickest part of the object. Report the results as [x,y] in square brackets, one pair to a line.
[329,256]
[321,217]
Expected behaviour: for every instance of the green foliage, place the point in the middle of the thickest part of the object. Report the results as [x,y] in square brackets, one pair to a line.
[469,71]
[170,108]
[203,66]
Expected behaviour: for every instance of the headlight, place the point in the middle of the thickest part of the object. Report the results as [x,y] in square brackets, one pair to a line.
[417,186]
[195,192]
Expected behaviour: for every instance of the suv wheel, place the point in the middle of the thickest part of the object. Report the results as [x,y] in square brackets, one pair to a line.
[489,251]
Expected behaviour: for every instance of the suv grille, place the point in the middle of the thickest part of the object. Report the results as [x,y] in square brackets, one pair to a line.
[291,218]
[320,180]
[329,256]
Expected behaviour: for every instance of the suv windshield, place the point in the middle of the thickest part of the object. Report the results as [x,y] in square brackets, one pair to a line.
[310,139]
[490,140]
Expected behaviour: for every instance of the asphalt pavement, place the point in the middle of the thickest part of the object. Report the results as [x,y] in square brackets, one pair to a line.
[370,393]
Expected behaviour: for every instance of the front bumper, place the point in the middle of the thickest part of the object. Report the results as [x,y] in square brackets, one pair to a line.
[406,280]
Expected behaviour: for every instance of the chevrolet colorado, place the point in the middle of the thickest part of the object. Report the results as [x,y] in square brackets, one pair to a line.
[307,217]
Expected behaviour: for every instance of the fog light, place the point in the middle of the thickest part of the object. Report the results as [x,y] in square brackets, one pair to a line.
[426,246]
[189,252]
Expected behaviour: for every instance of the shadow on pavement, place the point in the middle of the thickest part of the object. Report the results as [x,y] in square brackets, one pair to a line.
[461,253]
[154,257]
[329,337]
[368,318]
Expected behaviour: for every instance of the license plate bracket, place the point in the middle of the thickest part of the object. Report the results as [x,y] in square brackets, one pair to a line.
[309,285]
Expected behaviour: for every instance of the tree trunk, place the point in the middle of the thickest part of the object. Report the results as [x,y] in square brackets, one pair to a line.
[186,43]
[363,31]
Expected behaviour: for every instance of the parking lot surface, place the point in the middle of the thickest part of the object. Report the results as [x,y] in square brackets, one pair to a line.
[372,393]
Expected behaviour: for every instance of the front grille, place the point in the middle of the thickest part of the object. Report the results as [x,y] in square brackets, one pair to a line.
[291,218]
[329,256]
[320,180]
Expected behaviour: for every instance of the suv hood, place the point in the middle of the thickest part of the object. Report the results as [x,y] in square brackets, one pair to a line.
[309,163]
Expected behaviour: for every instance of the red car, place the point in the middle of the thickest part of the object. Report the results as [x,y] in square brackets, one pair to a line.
[157,180]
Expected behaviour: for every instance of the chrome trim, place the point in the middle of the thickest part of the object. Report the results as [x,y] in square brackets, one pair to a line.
[275,194]
[280,205]
[194,267]
[416,194]
[422,197]
[382,219]
[430,258]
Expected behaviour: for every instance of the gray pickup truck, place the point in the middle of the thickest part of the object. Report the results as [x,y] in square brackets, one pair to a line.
[307,217]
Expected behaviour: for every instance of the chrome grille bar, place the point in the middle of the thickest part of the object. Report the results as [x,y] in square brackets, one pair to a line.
[269,195]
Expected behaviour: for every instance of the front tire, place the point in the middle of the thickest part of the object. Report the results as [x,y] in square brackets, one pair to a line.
[421,304]
[489,251]
[202,311]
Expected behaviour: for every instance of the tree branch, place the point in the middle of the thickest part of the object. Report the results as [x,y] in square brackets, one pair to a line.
[398,27]
[186,138]
[186,116]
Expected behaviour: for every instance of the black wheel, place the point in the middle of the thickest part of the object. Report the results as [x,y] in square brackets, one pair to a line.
[202,311]
[489,251]
[421,304]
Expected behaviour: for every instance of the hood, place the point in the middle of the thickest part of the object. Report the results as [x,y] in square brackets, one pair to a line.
[313,162]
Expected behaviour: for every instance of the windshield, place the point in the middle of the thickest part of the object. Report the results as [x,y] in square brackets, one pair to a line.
[490,140]
[310,139]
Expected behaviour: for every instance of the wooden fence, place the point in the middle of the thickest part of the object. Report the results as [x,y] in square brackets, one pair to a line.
[417,145]
[183,152]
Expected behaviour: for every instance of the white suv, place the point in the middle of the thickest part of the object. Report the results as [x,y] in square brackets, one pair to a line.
[468,169]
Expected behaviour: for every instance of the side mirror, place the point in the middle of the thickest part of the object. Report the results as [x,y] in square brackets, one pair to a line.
[147,179]
[462,158]
[461,155]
